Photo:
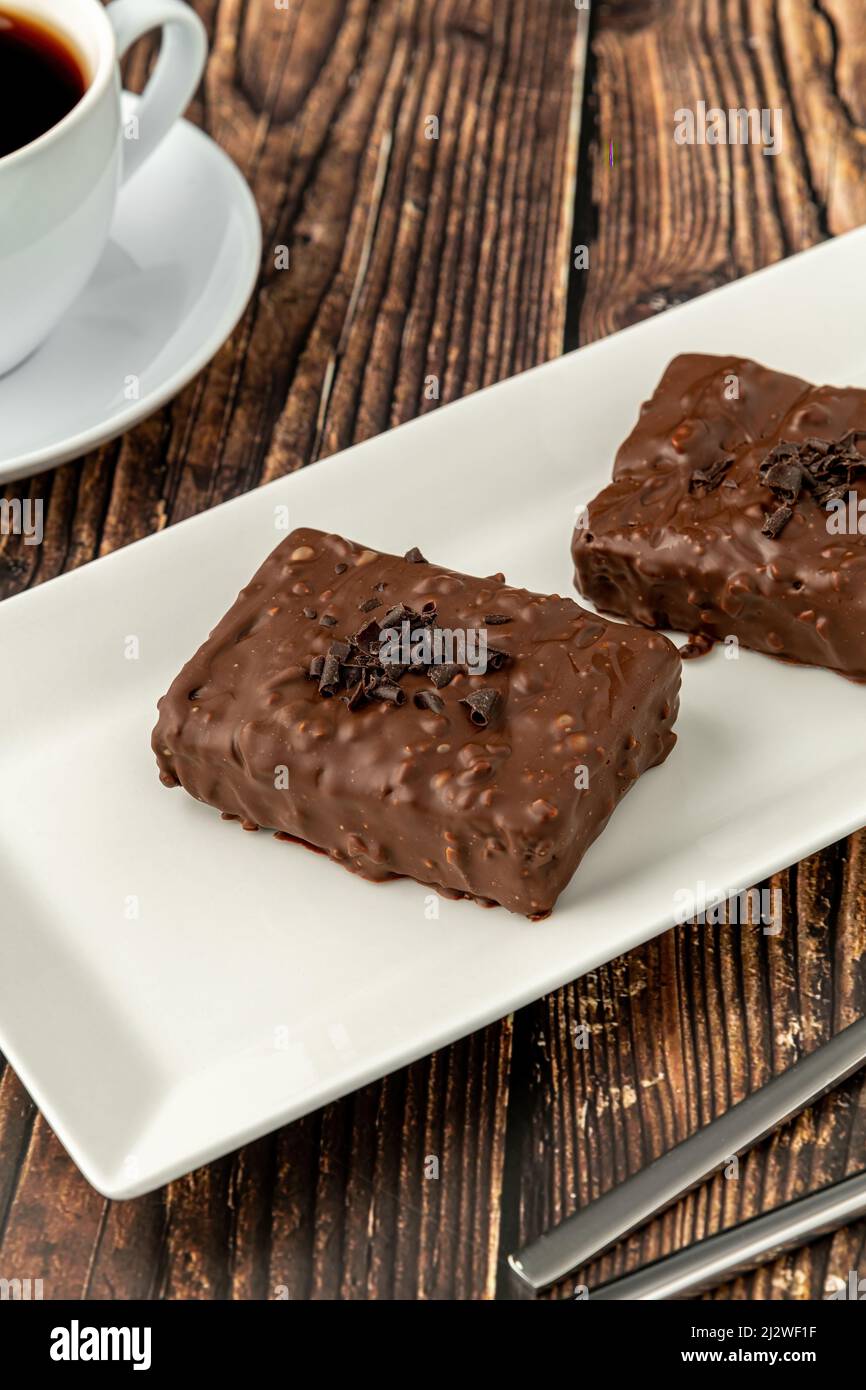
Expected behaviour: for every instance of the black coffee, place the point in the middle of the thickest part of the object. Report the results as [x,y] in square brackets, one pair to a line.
[40,80]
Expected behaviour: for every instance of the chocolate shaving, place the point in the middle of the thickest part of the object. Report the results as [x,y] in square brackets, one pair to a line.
[483,705]
[496,658]
[358,666]
[361,658]
[387,691]
[826,468]
[400,613]
[414,556]
[394,617]
[709,478]
[496,619]
[367,635]
[428,699]
[784,477]
[394,670]
[329,683]
[369,604]
[357,696]
[441,675]
[776,521]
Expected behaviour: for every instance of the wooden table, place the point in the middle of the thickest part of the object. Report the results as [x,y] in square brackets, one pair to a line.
[414,258]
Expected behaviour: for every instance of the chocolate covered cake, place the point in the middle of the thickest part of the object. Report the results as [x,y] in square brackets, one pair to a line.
[409,720]
[738,509]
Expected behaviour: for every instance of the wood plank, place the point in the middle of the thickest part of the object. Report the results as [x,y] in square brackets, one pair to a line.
[681,1029]
[687,1025]
[410,258]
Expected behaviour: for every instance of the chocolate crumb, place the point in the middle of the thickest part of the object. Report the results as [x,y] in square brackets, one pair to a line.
[414,556]
[327,620]
[309,613]
[497,619]
[340,568]
[369,604]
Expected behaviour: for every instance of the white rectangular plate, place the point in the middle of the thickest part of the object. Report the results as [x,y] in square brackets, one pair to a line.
[171,987]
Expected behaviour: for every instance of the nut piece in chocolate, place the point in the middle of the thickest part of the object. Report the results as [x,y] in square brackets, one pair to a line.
[398,740]
[730,514]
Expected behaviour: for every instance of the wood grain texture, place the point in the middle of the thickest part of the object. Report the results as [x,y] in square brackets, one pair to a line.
[671,221]
[684,1027]
[419,269]
[636,1056]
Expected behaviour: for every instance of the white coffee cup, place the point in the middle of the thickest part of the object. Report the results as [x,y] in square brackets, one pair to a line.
[58,194]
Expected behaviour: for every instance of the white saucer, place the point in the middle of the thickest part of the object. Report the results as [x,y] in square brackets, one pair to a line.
[181,264]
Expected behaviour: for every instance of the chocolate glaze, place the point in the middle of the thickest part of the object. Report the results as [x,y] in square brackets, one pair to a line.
[656,552]
[385,789]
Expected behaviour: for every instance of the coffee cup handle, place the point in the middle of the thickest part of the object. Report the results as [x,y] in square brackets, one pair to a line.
[178,70]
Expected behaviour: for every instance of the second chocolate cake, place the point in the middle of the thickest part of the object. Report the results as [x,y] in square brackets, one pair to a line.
[410,720]
[738,508]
